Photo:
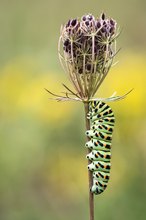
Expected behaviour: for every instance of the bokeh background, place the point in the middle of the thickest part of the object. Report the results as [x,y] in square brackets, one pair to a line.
[43,173]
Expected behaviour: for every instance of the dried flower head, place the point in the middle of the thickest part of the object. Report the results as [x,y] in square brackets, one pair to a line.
[88,49]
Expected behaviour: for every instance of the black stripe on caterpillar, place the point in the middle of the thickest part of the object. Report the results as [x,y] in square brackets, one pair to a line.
[101,128]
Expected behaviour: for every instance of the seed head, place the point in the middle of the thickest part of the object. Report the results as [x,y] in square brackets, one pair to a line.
[88,46]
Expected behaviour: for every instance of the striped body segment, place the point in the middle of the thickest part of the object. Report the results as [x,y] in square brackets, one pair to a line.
[101,128]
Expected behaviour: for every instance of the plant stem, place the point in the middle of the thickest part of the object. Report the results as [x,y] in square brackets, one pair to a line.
[91,195]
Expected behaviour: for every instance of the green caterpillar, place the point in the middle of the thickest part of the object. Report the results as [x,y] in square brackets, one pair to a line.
[101,128]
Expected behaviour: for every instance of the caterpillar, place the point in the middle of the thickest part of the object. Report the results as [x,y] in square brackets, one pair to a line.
[102,122]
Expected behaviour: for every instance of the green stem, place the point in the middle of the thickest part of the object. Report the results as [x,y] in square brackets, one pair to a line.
[91,195]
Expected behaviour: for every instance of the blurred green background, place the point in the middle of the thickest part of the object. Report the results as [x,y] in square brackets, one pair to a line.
[43,173]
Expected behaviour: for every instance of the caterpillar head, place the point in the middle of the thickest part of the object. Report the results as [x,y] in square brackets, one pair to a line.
[95,189]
